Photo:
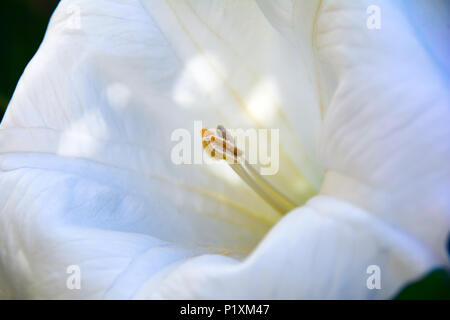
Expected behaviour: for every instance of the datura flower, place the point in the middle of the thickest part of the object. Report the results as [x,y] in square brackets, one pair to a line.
[87,182]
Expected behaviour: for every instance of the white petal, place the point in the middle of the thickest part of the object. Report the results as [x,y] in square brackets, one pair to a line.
[386,139]
[320,251]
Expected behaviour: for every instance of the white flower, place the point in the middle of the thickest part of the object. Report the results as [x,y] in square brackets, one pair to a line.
[86,177]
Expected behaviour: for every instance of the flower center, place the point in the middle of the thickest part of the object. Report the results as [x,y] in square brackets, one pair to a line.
[220,145]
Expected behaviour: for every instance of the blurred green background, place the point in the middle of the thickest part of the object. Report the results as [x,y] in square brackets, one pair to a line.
[23,25]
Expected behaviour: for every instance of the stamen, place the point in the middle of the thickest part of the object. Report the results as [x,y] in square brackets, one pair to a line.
[221,145]
[218,147]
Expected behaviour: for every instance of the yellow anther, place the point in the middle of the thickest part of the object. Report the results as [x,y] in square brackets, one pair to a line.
[218,147]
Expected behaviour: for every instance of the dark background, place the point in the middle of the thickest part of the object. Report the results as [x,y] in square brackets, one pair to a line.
[23,24]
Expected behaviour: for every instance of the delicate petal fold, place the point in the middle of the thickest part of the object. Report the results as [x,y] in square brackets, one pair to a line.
[386,138]
[320,251]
